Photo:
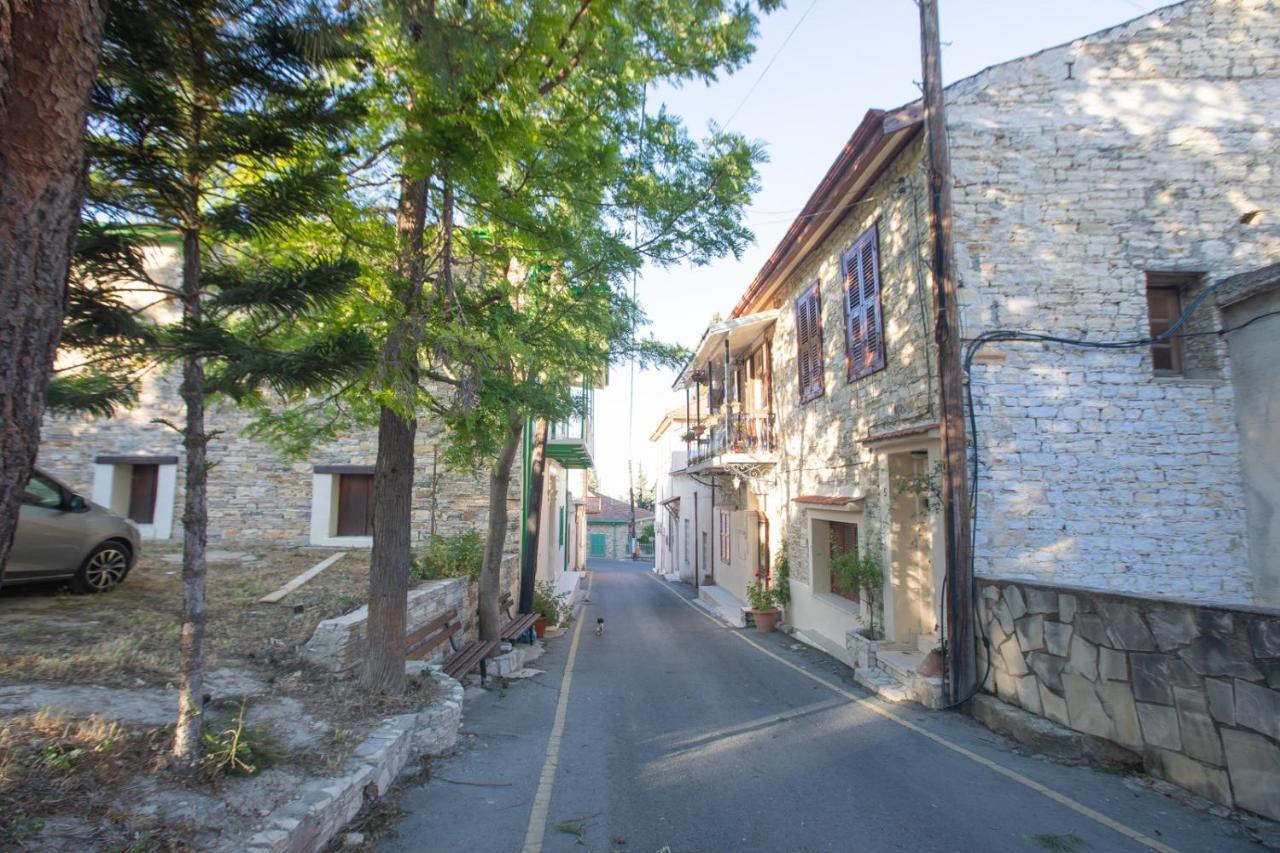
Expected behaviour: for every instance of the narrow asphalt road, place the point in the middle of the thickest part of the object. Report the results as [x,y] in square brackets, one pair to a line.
[681,734]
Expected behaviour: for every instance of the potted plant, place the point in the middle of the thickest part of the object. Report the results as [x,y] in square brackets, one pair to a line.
[764,608]
[552,609]
[864,573]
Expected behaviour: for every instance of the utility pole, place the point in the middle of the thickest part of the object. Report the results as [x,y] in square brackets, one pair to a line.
[961,661]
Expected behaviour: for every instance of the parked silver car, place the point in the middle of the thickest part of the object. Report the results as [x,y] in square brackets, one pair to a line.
[61,535]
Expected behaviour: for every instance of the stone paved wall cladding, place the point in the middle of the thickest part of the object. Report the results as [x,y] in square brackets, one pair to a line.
[254,495]
[1067,192]
[821,451]
[1193,689]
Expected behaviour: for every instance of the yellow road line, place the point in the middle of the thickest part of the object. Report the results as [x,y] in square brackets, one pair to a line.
[542,798]
[1063,799]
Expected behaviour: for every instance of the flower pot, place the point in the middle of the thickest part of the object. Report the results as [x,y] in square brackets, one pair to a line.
[766,620]
[540,626]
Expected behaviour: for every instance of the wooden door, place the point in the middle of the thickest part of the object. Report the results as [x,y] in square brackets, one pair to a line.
[143,485]
[355,505]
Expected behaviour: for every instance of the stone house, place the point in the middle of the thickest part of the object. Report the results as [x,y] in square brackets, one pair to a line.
[608,522]
[133,464]
[1126,546]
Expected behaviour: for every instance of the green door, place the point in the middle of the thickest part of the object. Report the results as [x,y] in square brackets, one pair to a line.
[597,544]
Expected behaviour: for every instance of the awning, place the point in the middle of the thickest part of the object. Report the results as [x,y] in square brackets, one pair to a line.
[741,333]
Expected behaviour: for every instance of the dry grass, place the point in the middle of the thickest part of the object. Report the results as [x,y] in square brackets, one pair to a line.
[51,765]
[129,636]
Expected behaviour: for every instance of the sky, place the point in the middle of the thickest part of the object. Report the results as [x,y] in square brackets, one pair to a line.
[824,64]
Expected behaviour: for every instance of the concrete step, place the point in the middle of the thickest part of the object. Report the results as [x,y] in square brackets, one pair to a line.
[927,642]
[883,685]
[723,604]
[899,664]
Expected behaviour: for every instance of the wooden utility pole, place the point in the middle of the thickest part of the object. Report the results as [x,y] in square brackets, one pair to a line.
[961,660]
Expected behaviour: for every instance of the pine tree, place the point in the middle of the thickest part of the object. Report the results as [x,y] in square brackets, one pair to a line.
[221,122]
[48,53]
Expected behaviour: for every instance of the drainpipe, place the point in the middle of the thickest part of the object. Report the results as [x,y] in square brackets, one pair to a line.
[728,401]
[688,430]
[696,570]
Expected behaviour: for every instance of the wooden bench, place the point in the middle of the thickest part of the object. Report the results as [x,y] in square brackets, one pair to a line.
[516,626]
[426,639]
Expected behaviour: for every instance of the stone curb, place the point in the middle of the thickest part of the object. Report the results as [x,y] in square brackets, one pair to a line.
[324,806]
[1047,737]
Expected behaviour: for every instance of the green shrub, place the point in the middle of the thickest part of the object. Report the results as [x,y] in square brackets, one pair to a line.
[782,577]
[554,607]
[459,555]
[863,572]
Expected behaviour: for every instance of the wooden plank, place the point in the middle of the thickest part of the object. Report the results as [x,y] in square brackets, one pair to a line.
[273,597]
[435,633]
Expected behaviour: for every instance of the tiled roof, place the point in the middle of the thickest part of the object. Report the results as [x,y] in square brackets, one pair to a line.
[612,509]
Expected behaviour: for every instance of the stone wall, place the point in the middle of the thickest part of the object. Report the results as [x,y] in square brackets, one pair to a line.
[1193,689]
[820,442]
[254,494]
[1078,170]
[338,644]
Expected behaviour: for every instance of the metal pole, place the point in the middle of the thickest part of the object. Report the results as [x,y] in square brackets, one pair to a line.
[961,658]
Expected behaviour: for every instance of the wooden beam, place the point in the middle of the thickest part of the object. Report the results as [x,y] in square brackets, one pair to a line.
[273,597]
[958,594]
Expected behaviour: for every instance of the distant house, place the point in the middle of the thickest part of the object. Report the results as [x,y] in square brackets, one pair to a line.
[134,464]
[676,554]
[608,526]
[1102,188]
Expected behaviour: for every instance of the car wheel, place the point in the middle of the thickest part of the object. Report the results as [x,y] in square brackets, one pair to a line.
[105,567]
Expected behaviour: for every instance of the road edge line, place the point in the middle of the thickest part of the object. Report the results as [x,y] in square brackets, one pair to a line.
[546,780]
[1014,775]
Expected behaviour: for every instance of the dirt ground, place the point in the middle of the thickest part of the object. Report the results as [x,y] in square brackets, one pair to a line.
[87,698]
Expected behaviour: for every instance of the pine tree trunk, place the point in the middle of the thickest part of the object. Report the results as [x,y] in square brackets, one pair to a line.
[495,543]
[48,57]
[533,519]
[195,523]
[393,475]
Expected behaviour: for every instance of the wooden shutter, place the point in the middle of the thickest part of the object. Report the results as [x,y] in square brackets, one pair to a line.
[864,325]
[809,343]
[843,539]
[1164,305]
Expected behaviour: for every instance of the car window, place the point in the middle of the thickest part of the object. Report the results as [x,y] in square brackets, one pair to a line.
[41,491]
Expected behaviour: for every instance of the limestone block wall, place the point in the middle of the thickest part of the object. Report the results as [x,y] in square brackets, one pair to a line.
[820,442]
[1193,689]
[338,644]
[1079,170]
[254,494]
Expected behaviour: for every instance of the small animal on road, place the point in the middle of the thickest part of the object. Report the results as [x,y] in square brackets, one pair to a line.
[599,626]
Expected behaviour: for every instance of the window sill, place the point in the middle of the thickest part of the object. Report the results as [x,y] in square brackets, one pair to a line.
[344,541]
[840,603]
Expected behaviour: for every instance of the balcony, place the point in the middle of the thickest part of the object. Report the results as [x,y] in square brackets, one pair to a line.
[728,386]
[738,439]
[571,442]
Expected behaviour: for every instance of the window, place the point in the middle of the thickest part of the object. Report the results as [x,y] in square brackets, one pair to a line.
[143,485]
[809,343]
[864,324]
[842,538]
[1164,306]
[41,491]
[355,505]
[726,533]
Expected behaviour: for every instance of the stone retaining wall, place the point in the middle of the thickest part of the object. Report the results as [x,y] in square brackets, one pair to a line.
[325,806]
[1193,689]
[338,644]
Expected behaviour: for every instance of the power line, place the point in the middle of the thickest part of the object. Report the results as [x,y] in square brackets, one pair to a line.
[769,65]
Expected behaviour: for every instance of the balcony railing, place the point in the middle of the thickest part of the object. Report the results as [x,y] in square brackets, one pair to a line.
[750,435]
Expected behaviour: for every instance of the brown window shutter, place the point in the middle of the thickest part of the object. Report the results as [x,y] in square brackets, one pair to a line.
[864,340]
[809,343]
